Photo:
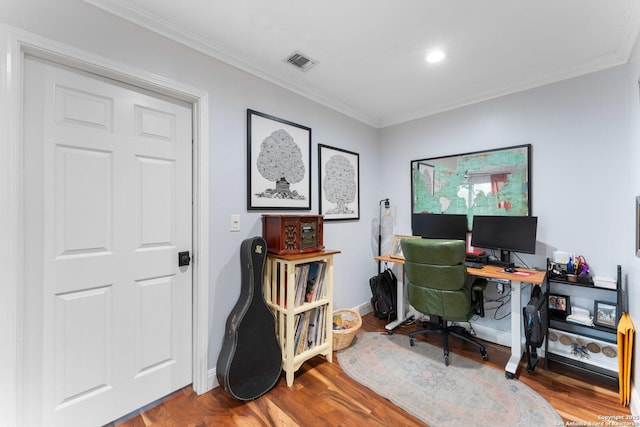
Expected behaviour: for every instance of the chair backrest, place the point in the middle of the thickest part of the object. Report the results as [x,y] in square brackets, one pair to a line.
[435,263]
[437,277]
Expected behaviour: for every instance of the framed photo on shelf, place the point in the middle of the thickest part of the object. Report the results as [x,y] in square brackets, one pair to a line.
[278,163]
[339,183]
[606,314]
[396,248]
[559,305]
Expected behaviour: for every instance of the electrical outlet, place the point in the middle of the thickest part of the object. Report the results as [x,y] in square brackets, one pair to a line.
[235,222]
[500,288]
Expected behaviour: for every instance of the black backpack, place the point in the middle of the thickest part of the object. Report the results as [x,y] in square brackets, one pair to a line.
[384,295]
[536,324]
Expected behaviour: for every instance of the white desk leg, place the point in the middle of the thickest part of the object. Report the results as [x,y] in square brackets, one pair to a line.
[516,323]
[403,305]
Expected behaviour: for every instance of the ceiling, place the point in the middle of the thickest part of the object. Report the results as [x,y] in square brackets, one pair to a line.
[370,54]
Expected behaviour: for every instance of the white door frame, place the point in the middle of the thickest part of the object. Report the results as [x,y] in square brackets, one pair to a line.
[14,44]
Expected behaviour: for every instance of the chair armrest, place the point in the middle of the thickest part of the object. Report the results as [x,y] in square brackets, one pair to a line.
[477,297]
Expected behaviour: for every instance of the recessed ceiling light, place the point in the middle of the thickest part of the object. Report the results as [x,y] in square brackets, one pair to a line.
[435,55]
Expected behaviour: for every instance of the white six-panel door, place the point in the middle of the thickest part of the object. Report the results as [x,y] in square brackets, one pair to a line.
[108,200]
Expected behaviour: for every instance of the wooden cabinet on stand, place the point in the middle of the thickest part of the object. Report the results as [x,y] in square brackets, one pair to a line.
[299,289]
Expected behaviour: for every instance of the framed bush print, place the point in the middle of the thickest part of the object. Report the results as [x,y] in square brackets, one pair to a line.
[339,183]
[278,163]
[606,314]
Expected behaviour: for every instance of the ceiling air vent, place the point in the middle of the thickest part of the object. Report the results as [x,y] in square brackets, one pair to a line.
[300,61]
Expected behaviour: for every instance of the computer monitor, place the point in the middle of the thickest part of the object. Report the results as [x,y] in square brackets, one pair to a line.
[439,226]
[505,233]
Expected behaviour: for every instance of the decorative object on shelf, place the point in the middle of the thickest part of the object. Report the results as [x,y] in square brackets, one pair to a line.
[605,314]
[557,269]
[565,340]
[579,350]
[578,270]
[278,163]
[491,182]
[293,234]
[346,324]
[559,305]
[339,183]
[396,249]
[593,347]
[569,267]
[609,351]
[250,361]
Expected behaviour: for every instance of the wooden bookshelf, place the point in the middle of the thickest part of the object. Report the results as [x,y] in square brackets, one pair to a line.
[299,289]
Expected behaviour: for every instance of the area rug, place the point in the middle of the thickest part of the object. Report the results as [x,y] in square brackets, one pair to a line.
[465,393]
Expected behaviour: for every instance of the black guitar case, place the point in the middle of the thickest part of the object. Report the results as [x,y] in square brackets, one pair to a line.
[250,361]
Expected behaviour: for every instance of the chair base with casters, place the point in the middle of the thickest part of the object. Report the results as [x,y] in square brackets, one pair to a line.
[446,330]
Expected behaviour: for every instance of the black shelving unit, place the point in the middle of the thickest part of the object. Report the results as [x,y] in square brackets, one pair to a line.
[601,337]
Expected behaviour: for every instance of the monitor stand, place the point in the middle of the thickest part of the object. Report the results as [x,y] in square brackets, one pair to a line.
[505,260]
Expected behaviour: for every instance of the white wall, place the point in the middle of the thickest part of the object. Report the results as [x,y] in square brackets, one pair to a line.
[578,132]
[231,92]
[633,190]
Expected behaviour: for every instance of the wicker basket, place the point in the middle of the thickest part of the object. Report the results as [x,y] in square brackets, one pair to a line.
[342,337]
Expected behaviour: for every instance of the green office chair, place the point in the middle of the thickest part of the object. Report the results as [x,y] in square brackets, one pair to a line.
[438,286]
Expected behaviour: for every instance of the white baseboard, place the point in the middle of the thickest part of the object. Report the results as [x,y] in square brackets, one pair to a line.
[212,380]
[492,335]
[635,402]
[364,308]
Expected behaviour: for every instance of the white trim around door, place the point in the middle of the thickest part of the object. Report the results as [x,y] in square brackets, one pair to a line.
[14,44]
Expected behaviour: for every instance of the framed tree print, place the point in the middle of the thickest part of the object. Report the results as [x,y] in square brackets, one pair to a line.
[279,163]
[339,183]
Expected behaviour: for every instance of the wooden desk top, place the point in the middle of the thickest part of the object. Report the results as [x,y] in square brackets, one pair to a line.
[303,255]
[491,271]
[388,258]
[521,275]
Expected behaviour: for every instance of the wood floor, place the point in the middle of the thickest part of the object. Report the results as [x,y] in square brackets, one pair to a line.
[323,395]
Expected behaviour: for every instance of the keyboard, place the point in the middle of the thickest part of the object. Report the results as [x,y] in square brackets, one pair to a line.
[473,264]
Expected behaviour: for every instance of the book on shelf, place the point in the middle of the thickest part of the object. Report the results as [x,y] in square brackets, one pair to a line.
[301,335]
[309,284]
[309,329]
[298,331]
[313,329]
[302,272]
[316,327]
[315,281]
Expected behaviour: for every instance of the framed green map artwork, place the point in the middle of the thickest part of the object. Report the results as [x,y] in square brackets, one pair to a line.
[492,182]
